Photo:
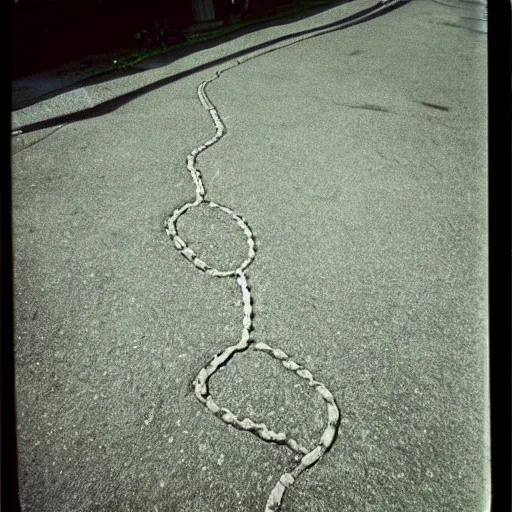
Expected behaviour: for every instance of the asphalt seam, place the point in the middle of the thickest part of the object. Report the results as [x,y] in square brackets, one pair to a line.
[36,141]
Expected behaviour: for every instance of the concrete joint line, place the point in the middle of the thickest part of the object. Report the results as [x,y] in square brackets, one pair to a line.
[307,457]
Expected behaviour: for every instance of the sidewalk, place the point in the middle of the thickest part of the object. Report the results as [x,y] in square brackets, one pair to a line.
[358,159]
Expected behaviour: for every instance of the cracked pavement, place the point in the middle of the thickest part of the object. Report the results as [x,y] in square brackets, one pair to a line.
[359,160]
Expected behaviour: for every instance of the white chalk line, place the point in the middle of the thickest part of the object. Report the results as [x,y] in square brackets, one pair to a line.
[308,456]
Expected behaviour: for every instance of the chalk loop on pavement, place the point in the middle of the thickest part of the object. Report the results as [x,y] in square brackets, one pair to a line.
[307,456]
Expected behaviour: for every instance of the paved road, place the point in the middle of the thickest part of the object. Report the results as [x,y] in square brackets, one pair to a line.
[358,158]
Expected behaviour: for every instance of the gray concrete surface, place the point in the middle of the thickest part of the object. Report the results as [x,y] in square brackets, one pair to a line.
[359,160]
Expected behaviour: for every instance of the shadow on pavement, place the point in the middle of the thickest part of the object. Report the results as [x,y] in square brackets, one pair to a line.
[113,104]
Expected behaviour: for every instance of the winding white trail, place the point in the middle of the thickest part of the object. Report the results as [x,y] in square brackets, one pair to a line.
[308,456]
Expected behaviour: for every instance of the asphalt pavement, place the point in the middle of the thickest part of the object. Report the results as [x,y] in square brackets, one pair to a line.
[356,151]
